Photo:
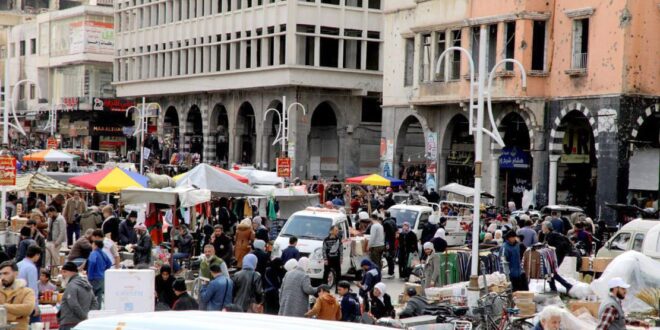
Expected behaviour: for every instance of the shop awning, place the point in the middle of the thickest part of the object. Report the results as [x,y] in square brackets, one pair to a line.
[257,176]
[50,155]
[465,191]
[375,180]
[41,183]
[644,173]
[208,177]
[110,180]
[188,196]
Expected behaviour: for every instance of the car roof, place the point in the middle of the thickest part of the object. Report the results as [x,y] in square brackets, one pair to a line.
[640,225]
[412,207]
[321,213]
[201,320]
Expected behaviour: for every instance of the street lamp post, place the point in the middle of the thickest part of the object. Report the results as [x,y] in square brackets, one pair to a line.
[142,125]
[482,92]
[282,136]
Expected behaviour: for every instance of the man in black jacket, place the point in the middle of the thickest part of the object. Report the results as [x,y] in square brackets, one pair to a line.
[407,246]
[126,230]
[389,225]
[142,253]
[563,247]
[332,251]
[183,302]
[416,305]
[224,248]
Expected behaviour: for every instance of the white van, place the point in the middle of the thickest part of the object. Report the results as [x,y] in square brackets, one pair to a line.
[311,226]
[639,235]
[418,216]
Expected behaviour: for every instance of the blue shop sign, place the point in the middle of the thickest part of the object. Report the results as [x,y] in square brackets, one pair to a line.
[514,158]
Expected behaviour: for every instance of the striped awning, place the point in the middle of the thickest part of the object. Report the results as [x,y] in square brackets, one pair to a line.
[41,183]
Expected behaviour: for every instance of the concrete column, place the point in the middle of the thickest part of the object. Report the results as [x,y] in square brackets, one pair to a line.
[340,54]
[317,51]
[276,50]
[552,189]
[214,59]
[363,57]
[495,175]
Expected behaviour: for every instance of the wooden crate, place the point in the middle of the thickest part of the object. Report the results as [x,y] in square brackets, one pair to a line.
[597,265]
[591,306]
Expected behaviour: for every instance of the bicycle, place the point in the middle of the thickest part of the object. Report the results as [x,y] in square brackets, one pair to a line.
[489,317]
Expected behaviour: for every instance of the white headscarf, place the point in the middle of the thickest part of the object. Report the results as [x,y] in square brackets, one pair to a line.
[382,288]
[291,264]
[246,221]
[440,233]
[303,264]
[428,245]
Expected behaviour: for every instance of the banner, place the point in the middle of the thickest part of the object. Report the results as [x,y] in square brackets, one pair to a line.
[387,156]
[431,155]
[7,171]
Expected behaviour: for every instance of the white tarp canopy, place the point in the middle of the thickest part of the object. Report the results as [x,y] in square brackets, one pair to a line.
[258,177]
[205,176]
[461,190]
[644,174]
[291,199]
[188,196]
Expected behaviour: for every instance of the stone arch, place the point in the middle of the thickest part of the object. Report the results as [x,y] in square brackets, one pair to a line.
[245,134]
[169,124]
[648,112]
[408,125]
[219,134]
[557,131]
[527,116]
[459,166]
[339,116]
[324,149]
[194,130]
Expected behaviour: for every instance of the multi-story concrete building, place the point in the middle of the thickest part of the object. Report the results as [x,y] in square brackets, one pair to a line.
[581,131]
[63,58]
[215,67]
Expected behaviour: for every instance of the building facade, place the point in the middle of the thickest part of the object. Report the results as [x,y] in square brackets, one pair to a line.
[575,135]
[62,59]
[215,67]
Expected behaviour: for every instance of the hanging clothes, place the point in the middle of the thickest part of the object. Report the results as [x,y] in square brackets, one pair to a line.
[247,209]
[540,263]
[154,224]
[270,207]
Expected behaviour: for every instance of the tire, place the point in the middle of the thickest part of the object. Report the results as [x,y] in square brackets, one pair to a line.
[520,325]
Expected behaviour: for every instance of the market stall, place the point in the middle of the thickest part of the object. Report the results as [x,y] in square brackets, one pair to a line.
[51,155]
[110,180]
[208,177]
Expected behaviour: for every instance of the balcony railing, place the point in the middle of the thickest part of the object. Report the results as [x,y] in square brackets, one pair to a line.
[579,61]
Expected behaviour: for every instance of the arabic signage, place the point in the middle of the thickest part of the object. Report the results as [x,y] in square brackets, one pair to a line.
[51,143]
[118,105]
[71,103]
[284,167]
[577,145]
[91,37]
[387,156]
[7,171]
[514,158]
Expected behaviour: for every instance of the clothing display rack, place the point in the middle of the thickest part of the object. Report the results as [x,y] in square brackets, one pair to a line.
[540,262]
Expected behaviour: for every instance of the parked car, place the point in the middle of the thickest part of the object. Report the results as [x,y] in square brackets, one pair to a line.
[641,235]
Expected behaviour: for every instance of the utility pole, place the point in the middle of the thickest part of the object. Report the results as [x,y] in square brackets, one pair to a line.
[482,92]
[282,136]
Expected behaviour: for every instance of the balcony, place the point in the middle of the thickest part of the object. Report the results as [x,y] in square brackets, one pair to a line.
[579,65]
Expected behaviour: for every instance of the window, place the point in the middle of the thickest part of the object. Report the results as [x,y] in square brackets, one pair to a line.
[476,38]
[3,51]
[425,58]
[620,242]
[510,43]
[538,46]
[307,227]
[352,49]
[373,51]
[492,46]
[21,92]
[374,4]
[455,68]
[371,111]
[33,92]
[638,242]
[33,46]
[580,43]
[408,70]
[441,46]
[22,48]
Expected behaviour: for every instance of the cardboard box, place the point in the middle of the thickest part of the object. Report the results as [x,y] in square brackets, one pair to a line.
[591,306]
[528,295]
[597,265]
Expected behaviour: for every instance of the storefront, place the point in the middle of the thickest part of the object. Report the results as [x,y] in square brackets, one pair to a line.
[460,159]
[515,174]
[577,170]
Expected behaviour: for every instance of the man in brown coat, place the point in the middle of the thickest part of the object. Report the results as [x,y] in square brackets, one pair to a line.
[15,296]
[73,209]
[326,306]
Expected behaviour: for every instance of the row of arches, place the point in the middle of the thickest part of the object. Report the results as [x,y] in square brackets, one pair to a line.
[241,137]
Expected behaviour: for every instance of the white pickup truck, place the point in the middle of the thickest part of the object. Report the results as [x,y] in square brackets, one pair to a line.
[311,226]
[419,215]
[640,235]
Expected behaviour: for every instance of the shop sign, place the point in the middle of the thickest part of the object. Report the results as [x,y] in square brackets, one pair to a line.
[576,146]
[284,167]
[71,103]
[520,185]
[51,143]
[118,105]
[514,158]
[431,146]
[7,171]
[387,156]
[460,158]
[108,129]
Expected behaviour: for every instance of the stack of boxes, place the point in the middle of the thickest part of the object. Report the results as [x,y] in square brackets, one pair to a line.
[524,301]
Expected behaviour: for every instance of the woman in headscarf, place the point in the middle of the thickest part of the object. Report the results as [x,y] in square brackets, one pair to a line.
[296,288]
[498,237]
[263,257]
[261,232]
[244,237]
[290,265]
[381,303]
[272,284]
[439,241]
[407,246]
[431,266]
[248,291]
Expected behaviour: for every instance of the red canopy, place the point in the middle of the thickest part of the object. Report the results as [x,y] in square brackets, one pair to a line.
[234,175]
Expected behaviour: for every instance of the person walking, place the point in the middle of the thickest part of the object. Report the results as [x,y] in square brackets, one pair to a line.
[15,297]
[183,302]
[242,240]
[263,257]
[26,241]
[432,274]
[529,234]
[510,252]
[39,239]
[73,209]
[219,292]
[332,252]
[390,228]
[407,247]
[326,306]
[78,298]
[272,284]
[56,236]
[296,288]
[376,243]
[97,264]
[248,292]
[27,271]
[260,231]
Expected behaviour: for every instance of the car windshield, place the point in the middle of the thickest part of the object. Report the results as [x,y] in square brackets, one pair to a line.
[307,227]
[403,215]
